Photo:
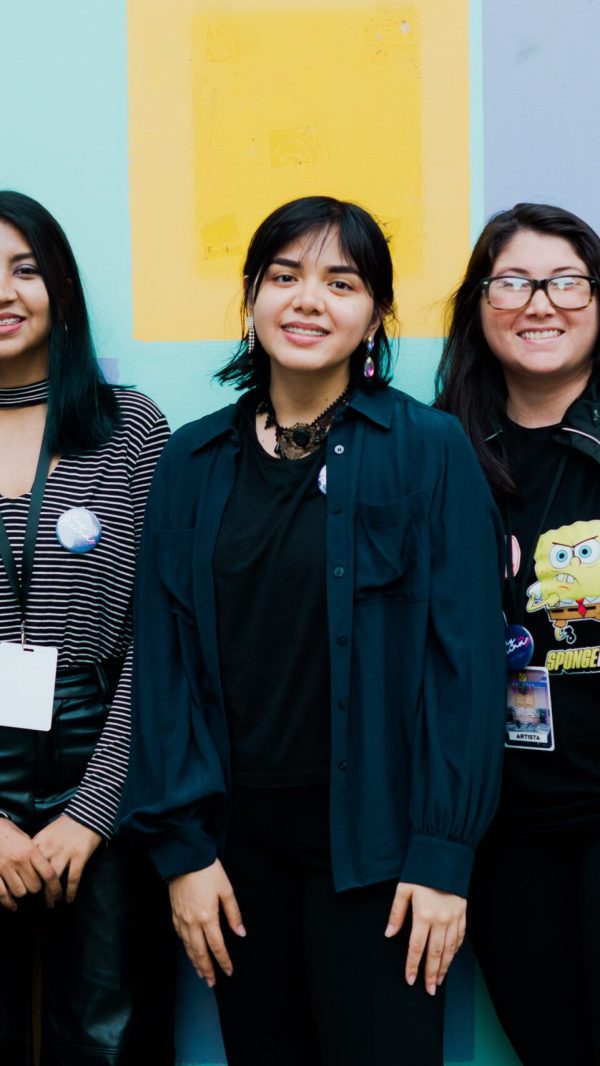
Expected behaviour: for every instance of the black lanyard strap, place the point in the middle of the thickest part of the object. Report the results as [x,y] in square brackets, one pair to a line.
[516,590]
[21,588]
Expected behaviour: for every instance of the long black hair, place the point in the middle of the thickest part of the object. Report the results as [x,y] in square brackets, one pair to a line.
[82,408]
[469,380]
[362,242]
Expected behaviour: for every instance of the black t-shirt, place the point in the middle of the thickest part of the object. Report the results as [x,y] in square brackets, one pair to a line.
[558,600]
[269,569]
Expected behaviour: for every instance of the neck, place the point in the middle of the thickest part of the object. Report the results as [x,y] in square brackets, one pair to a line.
[303,397]
[18,372]
[546,404]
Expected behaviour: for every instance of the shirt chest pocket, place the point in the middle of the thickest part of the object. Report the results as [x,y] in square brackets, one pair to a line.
[173,549]
[391,549]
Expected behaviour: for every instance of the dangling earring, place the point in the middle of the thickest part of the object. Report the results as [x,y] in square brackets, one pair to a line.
[251,335]
[369,365]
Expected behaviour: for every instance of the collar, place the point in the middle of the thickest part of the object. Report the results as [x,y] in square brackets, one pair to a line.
[377,406]
[580,427]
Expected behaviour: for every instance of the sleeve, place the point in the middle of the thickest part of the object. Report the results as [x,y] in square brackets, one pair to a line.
[458,744]
[97,798]
[175,792]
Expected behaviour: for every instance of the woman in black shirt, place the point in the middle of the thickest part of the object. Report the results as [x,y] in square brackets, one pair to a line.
[309,757]
[520,368]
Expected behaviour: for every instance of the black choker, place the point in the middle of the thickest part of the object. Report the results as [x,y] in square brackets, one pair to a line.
[294,442]
[24,395]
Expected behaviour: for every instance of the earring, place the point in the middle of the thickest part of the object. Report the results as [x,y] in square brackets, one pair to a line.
[251,334]
[369,365]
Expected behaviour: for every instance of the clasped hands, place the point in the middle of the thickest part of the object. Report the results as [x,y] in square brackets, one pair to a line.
[437,930]
[33,864]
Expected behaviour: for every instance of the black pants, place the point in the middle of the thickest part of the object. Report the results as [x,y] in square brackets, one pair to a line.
[534,919]
[315,981]
[107,960]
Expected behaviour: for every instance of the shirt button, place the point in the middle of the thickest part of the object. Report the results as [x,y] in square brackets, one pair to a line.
[339,571]
[339,449]
[338,508]
[342,641]
[342,765]
[342,704]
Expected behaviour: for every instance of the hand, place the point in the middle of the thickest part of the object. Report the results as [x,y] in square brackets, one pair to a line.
[23,868]
[438,922]
[195,900]
[67,845]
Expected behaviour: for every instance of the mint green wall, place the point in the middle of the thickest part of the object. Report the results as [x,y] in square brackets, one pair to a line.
[63,81]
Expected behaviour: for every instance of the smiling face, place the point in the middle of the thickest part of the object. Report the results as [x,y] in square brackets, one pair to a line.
[540,341]
[313,310]
[25,319]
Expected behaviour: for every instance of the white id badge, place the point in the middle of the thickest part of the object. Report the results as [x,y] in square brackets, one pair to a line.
[529,711]
[27,678]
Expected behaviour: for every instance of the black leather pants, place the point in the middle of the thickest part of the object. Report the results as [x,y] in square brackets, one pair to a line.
[107,960]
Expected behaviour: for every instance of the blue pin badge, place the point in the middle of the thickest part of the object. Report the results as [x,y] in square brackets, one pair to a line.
[78,530]
[322,480]
[519,647]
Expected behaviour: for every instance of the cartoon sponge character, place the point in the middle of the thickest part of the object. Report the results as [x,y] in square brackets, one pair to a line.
[567,565]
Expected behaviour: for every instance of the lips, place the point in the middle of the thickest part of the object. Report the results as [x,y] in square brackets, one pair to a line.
[540,334]
[303,329]
[10,323]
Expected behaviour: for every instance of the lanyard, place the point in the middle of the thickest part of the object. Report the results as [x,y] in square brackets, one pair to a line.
[516,599]
[21,589]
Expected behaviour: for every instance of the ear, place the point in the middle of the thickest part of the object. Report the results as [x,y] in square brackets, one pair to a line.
[374,325]
[248,295]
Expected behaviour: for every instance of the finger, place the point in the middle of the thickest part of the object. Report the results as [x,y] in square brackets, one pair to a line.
[452,943]
[435,951]
[74,877]
[233,914]
[214,937]
[50,878]
[416,947]
[17,884]
[6,900]
[198,954]
[398,912]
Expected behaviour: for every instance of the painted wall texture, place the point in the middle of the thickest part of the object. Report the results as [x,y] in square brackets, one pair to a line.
[160,132]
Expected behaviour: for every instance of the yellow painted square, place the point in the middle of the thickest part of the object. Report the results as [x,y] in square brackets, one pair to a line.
[237,106]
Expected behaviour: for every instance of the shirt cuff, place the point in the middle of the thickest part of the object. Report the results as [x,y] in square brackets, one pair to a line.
[438,863]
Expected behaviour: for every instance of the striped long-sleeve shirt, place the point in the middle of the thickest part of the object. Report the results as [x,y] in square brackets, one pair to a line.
[81,604]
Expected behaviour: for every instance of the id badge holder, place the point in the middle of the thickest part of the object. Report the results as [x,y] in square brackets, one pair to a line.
[529,710]
[27,679]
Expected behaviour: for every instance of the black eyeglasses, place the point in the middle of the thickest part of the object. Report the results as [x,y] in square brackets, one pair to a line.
[567,292]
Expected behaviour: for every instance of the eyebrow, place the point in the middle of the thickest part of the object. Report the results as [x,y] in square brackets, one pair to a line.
[557,270]
[295,264]
[20,256]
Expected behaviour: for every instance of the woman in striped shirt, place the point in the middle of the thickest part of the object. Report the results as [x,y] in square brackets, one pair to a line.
[76,459]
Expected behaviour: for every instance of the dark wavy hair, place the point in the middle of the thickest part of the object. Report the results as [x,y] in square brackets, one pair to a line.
[469,380]
[82,408]
[363,244]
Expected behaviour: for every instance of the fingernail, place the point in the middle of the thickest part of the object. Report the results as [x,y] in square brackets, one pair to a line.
[229,971]
[440,981]
[389,931]
[241,931]
[411,980]
[431,989]
[210,982]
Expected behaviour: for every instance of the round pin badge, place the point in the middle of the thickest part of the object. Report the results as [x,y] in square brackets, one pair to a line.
[519,647]
[78,530]
[322,480]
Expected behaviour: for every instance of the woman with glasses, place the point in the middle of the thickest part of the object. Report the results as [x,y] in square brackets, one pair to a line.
[311,767]
[521,370]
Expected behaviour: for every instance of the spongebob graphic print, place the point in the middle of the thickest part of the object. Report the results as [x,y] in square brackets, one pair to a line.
[567,567]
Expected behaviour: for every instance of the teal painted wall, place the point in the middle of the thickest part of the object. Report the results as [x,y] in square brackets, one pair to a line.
[65,133]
